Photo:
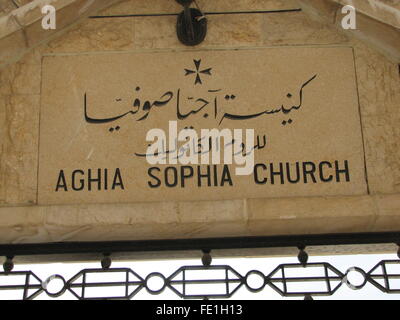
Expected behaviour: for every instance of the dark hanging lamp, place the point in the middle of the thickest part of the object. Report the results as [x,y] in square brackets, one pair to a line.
[191,26]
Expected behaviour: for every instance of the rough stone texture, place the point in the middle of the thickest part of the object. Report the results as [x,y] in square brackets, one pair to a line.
[388,217]
[21,78]
[21,29]
[322,11]
[235,31]
[96,35]
[22,2]
[378,84]
[148,36]
[19,115]
[170,220]
[372,24]
[294,28]
[136,221]
[19,147]
[6,6]
[386,11]
[382,37]
[318,215]
[224,30]
[66,18]
[247,5]
[137,7]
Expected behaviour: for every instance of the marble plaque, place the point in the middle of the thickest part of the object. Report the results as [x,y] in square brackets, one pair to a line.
[132,127]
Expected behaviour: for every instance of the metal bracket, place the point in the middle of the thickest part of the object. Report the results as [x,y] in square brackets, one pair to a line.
[191,27]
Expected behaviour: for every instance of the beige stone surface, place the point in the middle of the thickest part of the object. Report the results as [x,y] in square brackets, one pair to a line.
[172,220]
[236,31]
[66,17]
[387,218]
[96,35]
[140,7]
[19,147]
[6,6]
[312,215]
[22,2]
[386,11]
[146,220]
[378,35]
[8,25]
[378,86]
[148,35]
[328,117]
[378,83]
[246,5]
[21,29]
[294,28]
[322,11]
[19,114]
[372,24]
[27,17]
[21,78]
[15,44]
[224,30]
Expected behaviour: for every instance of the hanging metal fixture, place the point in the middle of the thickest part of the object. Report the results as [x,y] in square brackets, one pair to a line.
[191,26]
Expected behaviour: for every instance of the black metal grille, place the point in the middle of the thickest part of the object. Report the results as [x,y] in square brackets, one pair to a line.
[224,281]
[204,281]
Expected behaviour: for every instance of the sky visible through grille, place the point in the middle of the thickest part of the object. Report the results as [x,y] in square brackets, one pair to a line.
[241,266]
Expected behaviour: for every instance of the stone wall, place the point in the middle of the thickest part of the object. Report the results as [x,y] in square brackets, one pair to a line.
[21,220]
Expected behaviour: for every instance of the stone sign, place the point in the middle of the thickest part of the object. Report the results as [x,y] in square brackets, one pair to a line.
[200,125]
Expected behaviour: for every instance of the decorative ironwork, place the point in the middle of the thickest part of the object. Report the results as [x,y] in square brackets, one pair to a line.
[225,281]
[303,279]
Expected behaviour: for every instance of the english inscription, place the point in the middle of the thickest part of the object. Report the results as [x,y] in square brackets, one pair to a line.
[200,125]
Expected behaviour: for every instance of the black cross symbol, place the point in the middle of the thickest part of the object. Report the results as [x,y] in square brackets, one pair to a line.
[198,71]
